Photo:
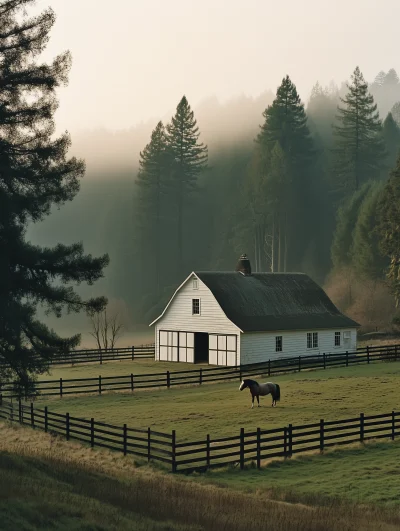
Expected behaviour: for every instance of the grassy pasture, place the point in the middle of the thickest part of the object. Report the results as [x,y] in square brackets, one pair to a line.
[116,368]
[362,474]
[48,483]
[220,409]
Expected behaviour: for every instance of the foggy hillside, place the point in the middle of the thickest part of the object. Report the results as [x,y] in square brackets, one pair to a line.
[103,213]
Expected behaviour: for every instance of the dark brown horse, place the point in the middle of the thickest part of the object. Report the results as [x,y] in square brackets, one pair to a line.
[258,390]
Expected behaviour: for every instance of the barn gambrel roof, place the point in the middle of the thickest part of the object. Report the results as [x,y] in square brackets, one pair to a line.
[274,301]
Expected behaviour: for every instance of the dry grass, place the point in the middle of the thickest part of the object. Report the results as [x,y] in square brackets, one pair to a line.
[105,491]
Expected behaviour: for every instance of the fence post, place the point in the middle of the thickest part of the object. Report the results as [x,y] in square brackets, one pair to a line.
[148,444]
[168,380]
[67,426]
[32,416]
[395,353]
[61,388]
[45,419]
[285,442]
[133,353]
[347,358]
[368,354]
[92,432]
[19,410]
[269,367]
[101,357]
[321,435]
[125,443]
[241,448]
[258,448]
[208,448]
[173,449]
[324,360]
[99,384]
[290,437]
[201,376]
[299,363]
[361,427]
[393,425]
[132,382]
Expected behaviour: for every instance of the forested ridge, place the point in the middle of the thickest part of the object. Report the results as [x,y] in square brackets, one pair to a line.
[298,185]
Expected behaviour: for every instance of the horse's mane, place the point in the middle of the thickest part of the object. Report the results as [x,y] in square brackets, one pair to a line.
[251,382]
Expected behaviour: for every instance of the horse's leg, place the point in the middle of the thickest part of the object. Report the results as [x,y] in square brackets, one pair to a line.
[252,401]
[258,400]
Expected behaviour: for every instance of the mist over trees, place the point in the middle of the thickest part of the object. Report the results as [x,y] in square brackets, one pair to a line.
[297,185]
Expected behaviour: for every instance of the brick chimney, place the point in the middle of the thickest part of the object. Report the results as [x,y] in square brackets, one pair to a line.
[243,265]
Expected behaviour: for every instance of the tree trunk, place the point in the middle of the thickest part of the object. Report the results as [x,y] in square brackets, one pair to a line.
[285,244]
[273,246]
[279,246]
[180,234]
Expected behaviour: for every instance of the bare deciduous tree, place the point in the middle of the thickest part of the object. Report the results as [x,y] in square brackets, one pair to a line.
[105,329]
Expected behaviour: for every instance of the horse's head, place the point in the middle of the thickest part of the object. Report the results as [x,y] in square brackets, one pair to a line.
[243,385]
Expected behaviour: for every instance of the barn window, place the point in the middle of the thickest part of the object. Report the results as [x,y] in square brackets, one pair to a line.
[195,283]
[195,306]
[337,339]
[278,344]
[312,339]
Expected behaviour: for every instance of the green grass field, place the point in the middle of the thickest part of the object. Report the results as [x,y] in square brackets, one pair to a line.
[362,474]
[220,409]
[116,368]
[48,483]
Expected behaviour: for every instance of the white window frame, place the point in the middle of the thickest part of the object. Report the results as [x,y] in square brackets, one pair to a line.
[312,340]
[338,335]
[193,306]
[195,283]
[278,339]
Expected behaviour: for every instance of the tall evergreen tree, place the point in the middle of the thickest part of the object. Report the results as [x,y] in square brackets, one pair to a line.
[286,126]
[391,136]
[342,245]
[189,161]
[388,229]
[154,183]
[366,257]
[35,174]
[396,113]
[358,146]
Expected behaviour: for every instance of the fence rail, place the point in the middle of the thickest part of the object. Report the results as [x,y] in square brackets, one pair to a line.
[76,357]
[251,446]
[131,382]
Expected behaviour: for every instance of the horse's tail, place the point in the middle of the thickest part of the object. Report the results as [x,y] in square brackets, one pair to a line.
[277,392]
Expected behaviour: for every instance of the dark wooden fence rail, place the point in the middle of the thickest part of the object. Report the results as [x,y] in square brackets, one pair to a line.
[76,357]
[251,446]
[167,379]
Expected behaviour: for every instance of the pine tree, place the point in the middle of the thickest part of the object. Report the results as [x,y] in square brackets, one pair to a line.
[396,113]
[391,136]
[347,216]
[388,229]
[154,183]
[189,161]
[286,126]
[358,146]
[35,174]
[366,257]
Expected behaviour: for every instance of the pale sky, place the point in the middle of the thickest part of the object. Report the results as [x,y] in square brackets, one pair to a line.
[134,59]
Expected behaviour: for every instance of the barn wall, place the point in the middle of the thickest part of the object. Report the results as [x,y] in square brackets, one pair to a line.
[178,316]
[257,347]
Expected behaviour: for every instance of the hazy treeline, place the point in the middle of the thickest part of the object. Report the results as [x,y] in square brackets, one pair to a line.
[293,188]
[303,195]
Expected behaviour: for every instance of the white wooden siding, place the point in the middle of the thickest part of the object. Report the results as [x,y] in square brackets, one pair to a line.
[178,316]
[257,347]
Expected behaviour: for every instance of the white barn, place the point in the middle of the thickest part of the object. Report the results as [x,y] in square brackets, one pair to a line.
[239,318]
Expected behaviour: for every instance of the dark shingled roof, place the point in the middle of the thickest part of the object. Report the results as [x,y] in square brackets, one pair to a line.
[274,301]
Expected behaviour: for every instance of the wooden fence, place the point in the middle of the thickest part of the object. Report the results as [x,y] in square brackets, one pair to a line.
[76,357]
[251,446]
[167,379]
